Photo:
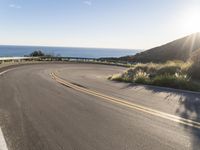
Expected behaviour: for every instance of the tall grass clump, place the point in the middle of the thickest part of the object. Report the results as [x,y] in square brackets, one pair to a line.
[116,77]
[173,74]
[141,77]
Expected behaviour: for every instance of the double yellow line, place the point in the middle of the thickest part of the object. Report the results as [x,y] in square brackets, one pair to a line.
[123,102]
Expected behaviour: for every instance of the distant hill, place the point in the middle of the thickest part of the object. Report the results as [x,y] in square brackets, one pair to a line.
[180,49]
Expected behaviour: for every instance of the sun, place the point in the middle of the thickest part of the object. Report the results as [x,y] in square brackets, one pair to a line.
[191,21]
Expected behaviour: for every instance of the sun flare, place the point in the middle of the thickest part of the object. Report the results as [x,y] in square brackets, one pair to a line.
[191,21]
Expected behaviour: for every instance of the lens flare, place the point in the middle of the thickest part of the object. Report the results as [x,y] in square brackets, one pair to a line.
[191,21]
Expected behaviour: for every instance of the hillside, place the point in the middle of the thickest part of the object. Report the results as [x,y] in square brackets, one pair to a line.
[195,56]
[180,49]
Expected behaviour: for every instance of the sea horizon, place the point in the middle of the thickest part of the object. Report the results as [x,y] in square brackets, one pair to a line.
[82,52]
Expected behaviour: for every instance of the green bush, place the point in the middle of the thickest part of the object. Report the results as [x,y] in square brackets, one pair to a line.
[170,67]
[142,80]
[194,71]
[170,70]
[141,77]
[174,74]
[173,81]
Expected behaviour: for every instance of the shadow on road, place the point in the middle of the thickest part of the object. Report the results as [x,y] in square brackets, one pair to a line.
[188,106]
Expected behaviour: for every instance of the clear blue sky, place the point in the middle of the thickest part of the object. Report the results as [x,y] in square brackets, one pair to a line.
[133,24]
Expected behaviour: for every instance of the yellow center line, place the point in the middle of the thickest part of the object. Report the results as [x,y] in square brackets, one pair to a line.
[123,102]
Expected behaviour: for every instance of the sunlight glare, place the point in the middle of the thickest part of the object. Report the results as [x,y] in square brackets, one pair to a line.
[191,21]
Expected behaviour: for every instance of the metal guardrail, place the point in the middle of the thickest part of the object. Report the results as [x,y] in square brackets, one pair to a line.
[70,59]
[14,58]
[45,57]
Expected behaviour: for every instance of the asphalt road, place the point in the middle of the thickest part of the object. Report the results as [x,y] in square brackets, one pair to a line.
[38,113]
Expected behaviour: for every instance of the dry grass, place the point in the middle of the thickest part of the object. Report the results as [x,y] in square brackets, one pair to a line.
[174,74]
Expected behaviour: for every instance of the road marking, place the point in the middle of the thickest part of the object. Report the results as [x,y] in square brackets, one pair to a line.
[3,145]
[1,73]
[123,102]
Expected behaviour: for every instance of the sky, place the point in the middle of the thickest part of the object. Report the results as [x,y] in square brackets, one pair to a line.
[133,24]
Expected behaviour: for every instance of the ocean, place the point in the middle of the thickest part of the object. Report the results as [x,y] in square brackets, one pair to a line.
[10,51]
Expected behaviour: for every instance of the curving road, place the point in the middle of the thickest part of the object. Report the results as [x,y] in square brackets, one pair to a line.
[39,113]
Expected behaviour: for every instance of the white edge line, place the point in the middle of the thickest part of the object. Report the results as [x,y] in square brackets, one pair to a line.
[1,73]
[3,145]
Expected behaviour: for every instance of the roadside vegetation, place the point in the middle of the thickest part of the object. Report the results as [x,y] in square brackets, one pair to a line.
[173,74]
[37,53]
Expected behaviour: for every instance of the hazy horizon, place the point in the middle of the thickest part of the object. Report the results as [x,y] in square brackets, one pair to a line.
[13,51]
[60,46]
[128,24]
